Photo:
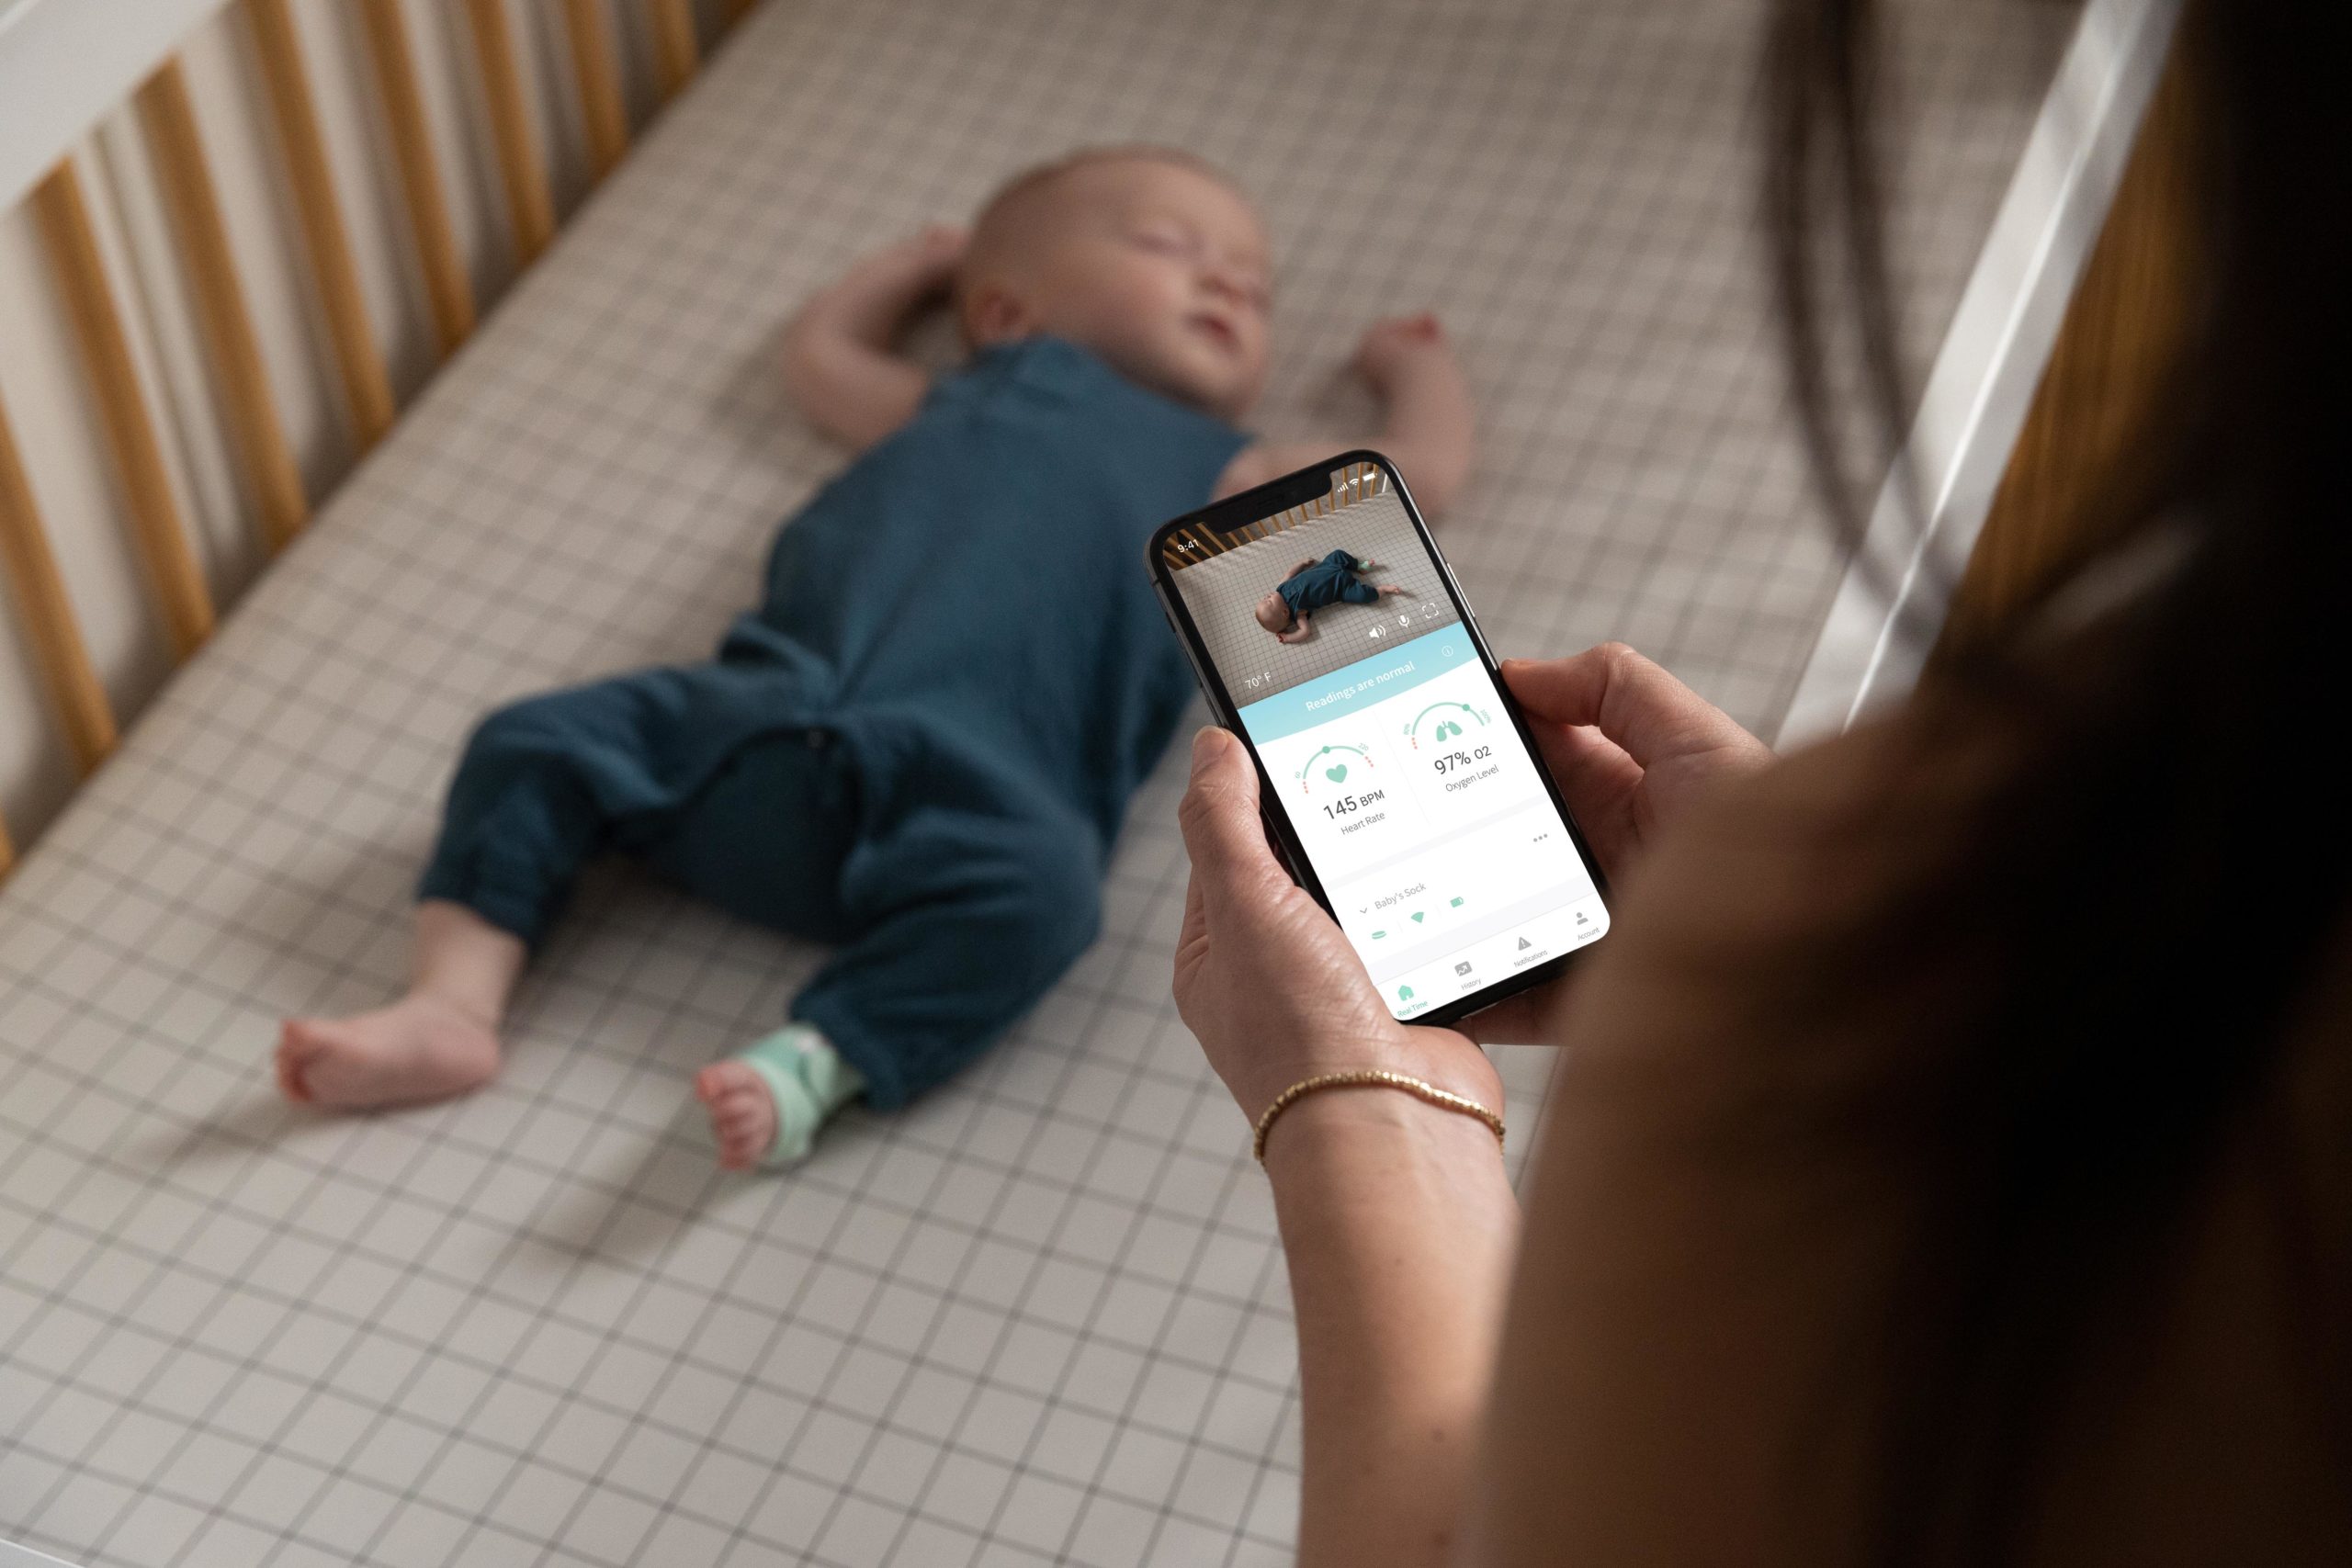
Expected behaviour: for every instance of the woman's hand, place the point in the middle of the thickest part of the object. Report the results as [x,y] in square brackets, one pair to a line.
[1265,979]
[1264,976]
[1398,1223]
[1630,747]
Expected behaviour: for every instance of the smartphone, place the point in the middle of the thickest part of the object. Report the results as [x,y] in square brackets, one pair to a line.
[1398,776]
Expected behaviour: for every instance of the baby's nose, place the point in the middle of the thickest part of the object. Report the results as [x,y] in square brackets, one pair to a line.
[1225,284]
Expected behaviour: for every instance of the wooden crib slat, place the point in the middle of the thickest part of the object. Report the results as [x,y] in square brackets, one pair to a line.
[361,363]
[72,245]
[528,205]
[675,53]
[600,84]
[447,287]
[50,625]
[170,124]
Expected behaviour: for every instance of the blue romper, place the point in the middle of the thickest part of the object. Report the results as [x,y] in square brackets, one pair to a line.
[920,747]
[1330,581]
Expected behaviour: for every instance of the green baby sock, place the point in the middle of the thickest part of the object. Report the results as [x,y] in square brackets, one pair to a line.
[807,1080]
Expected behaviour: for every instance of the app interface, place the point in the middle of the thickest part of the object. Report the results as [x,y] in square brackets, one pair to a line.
[1422,812]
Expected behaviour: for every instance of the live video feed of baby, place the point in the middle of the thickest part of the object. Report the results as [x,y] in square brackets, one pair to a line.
[1386,743]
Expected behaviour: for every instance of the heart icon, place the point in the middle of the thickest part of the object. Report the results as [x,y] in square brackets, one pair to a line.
[1336,772]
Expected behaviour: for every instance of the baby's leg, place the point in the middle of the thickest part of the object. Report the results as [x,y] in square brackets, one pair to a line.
[765,840]
[766,1104]
[538,791]
[967,918]
[440,1039]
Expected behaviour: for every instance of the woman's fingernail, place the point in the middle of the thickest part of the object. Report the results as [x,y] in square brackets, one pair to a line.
[1205,741]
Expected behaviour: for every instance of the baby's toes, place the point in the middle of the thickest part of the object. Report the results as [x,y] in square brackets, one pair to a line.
[741,1145]
[721,1078]
[294,1049]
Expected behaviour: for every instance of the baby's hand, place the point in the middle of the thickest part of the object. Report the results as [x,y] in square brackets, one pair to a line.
[1394,348]
[941,246]
[920,262]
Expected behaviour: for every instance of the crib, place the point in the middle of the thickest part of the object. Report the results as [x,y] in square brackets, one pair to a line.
[449,376]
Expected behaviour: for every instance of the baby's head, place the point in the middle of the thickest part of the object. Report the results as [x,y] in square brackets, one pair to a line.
[1147,256]
[1273,614]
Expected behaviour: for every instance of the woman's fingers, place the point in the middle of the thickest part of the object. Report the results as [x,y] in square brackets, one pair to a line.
[1649,714]
[1222,832]
[1602,786]
[1626,741]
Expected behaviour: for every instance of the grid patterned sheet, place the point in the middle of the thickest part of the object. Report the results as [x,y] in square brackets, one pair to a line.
[1041,1317]
[1222,594]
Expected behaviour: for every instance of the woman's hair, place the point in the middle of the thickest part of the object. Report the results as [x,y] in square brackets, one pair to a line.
[2163,880]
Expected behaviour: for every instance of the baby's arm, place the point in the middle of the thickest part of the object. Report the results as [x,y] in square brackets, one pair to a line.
[1297,631]
[838,359]
[1429,430]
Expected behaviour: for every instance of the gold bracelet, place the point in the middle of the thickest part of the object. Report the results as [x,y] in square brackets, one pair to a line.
[1369,1078]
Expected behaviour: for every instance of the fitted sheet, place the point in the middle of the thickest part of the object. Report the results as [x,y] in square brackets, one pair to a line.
[1041,1316]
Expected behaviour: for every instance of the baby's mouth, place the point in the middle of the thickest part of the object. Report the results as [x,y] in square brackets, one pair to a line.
[1216,329]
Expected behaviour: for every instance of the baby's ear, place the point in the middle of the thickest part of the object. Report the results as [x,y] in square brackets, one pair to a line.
[993,313]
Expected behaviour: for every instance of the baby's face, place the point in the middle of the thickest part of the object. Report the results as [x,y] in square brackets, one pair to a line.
[1273,614]
[1159,268]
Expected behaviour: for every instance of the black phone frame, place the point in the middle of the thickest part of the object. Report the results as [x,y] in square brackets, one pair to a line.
[1254,505]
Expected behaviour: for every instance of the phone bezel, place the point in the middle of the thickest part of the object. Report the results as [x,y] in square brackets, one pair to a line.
[1280,495]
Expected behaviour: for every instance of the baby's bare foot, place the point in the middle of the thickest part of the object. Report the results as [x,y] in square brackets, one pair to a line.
[743,1112]
[420,1048]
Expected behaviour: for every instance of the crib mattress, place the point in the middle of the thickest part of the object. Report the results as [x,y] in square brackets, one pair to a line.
[1041,1316]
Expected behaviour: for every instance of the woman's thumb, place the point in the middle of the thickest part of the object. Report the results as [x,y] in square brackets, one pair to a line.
[1219,814]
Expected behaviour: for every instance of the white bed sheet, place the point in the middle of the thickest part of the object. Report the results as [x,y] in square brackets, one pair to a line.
[1041,1316]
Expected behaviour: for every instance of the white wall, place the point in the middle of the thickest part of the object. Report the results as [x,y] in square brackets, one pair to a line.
[44,391]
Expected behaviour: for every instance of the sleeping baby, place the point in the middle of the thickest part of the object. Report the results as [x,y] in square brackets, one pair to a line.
[1338,579]
[930,783]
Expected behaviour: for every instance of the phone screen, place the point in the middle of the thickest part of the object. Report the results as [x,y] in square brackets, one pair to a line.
[1354,672]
